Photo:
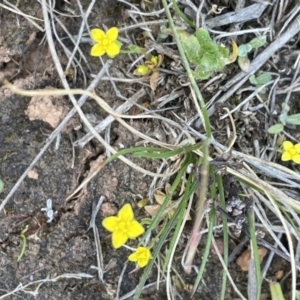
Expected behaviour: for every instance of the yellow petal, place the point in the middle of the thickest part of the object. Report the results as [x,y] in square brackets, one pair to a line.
[126,213]
[97,50]
[97,35]
[112,50]
[154,60]
[119,238]
[133,257]
[297,148]
[296,158]
[286,156]
[112,33]
[110,223]
[134,229]
[143,262]
[287,145]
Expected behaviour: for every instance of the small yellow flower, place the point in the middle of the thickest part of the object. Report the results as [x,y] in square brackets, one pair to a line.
[142,70]
[154,60]
[142,255]
[291,152]
[123,227]
[105,42]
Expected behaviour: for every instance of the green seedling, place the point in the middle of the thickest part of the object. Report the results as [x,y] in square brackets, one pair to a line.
[284,119]
[201,51]
[260,80]
[244,49]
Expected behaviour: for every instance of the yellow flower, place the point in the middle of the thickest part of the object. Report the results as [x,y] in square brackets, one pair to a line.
[142,255]
[154,60]
[141,70]
[291,152]
[123,227]
[105,42]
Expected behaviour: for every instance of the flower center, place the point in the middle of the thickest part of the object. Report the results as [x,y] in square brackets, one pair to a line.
[105,42]
[122,226]
[293,151]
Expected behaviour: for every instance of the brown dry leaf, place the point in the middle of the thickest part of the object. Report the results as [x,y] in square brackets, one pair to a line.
[43,108]
[153,80]
[244,258]
[152,210]
[160,197]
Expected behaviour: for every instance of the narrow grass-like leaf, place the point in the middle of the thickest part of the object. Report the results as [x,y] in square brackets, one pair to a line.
[276,292]
[1,185]
[174,186]
[290,220]
[225,236]
[182,15]
[149,152]
[206,250]
[190,188]
[170,225]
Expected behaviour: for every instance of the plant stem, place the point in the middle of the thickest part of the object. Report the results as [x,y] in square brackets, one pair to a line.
[182,15]
[189,71]
[200,211]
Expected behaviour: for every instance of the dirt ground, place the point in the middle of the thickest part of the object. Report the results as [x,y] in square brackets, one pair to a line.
[65,245]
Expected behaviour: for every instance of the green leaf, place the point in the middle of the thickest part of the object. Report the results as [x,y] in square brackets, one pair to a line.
[283,117]
[258,42]
[263,78]
[135,49]
[297,295]
[244,49]
[276,292]
[223,52]
[201,73]
[276,128]
[191,47]
[202,51]
[293,119]
[203,37]
[244,63]
[1,185]
[253,80]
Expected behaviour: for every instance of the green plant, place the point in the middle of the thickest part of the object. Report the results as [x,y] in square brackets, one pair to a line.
[201,51]
[260,79]
[244,49]
[284,119]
